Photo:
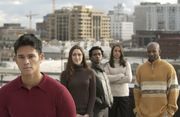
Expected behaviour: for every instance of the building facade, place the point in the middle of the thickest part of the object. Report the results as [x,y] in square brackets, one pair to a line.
[62,17]
[49,21]
[157,17]
[121,27]
[169,42]
[9,32]
[77,23]
[170,45]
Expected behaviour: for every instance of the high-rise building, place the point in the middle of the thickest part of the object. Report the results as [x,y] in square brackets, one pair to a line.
[49,21]
[62,17]
[9,33]
[121,27]
[78,23]
[157,17]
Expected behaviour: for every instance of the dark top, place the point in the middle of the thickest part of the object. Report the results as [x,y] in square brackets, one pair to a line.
[48,99]
[104,97]
[82,87]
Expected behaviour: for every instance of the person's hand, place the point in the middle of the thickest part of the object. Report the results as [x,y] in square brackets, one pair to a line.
[86,115]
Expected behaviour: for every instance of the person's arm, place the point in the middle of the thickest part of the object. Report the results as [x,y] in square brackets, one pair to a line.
[137,91]
[113,78]
[3,109]
[92,95]
[65,106]
[127,78]
[173,92]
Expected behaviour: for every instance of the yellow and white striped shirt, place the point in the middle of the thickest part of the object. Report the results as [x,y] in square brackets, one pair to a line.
[156,89]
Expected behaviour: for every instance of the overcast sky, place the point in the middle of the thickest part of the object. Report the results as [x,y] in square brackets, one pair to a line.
[15,11]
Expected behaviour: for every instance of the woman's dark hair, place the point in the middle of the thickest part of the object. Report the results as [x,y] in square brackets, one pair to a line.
[121,59]
[70,65]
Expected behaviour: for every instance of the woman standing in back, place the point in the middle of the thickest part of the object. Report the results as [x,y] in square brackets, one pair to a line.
[80,81]
[119,73]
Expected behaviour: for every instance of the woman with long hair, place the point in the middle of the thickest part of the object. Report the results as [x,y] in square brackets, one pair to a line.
[80,81]
[119,73]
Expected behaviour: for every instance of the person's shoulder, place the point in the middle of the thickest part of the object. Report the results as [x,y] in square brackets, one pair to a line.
[63,75]
[51,82]
[90,70]
[54,87]
[142,66]
[166,64]
[10,86]
[127,63]
[50,79]
[106,64]
[63,72]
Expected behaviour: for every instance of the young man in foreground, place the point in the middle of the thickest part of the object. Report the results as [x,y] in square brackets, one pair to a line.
[33,93]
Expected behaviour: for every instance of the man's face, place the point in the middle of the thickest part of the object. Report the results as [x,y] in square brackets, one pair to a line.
[28,60]
[153,53]
[96,56]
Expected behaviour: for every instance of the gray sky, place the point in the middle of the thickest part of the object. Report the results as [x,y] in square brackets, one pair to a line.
[15,11]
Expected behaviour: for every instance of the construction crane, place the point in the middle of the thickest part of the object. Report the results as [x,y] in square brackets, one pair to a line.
[30,15]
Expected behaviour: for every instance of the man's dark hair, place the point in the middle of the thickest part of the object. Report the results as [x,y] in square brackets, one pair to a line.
[28,40]
[95,48]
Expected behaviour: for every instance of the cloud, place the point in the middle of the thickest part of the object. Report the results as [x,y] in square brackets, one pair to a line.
[6,18]
[14,2]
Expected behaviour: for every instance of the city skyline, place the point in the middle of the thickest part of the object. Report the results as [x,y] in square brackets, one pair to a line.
[16,11]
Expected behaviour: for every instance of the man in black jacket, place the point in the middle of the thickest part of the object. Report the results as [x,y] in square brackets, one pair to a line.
[104,97]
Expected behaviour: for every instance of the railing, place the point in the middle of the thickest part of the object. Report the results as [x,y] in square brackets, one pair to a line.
[7,75]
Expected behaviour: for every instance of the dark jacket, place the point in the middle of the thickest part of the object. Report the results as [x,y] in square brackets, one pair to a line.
[104,97]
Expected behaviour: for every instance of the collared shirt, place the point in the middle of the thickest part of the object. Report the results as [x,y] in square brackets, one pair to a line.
[48,99]
[156,89]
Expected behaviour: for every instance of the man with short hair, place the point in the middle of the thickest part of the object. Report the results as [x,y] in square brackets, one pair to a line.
[104,98]
[156,86]
[33,93]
